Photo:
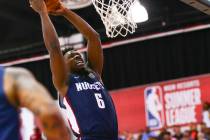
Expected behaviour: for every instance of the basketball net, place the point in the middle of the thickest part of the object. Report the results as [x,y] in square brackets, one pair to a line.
[116,16]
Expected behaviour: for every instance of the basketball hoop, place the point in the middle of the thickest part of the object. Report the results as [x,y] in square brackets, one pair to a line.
[116,16]
[76,4]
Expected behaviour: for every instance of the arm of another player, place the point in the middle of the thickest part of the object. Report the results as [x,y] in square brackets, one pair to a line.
[31,94]
[95,52]
[57,63]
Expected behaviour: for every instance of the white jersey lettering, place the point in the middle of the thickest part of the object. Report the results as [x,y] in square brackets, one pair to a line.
[85,86]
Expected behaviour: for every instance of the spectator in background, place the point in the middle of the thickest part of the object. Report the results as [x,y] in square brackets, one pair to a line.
[148,134]
[178,134]
[140,134]
[206,114]
[162,133]
[130,136]
[124,135]
[204,132]
[186,135]
[166,136]
[193,132]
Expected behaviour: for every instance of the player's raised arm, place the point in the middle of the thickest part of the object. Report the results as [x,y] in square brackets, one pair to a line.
[57,62]
[95,52]
[27,92]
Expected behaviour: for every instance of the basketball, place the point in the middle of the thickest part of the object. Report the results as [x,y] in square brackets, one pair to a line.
[52,5]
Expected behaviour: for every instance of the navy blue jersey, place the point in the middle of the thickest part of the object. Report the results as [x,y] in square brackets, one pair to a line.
[90,108]
[9,115]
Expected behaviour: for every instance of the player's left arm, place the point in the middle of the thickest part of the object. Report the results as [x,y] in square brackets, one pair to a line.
[95,55]
[94,50]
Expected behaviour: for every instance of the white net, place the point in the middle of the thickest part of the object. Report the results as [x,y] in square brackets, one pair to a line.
[116,16]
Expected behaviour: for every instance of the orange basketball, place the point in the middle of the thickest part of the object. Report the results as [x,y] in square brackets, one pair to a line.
[52,5]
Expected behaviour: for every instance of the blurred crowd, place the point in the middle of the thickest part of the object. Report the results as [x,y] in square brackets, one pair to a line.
[191,132]
[196,132]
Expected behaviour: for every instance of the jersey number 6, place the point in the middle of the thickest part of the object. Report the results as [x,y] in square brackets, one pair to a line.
[99,100]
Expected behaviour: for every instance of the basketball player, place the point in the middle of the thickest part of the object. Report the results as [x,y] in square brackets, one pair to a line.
[18,88]
[85,99]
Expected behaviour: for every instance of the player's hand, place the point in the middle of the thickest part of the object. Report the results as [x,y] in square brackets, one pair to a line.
[59,11]
[38,5]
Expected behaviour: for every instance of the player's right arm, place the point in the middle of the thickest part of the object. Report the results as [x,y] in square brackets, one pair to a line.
[24,91]
[57,63]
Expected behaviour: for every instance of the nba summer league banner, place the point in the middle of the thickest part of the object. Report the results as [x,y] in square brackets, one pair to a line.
[165,104]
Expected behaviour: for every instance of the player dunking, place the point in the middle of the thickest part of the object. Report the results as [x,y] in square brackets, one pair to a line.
[87,102]
[18,88]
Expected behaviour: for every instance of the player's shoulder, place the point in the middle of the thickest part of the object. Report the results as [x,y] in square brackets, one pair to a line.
[95,75]
[17,71]
[91,71]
